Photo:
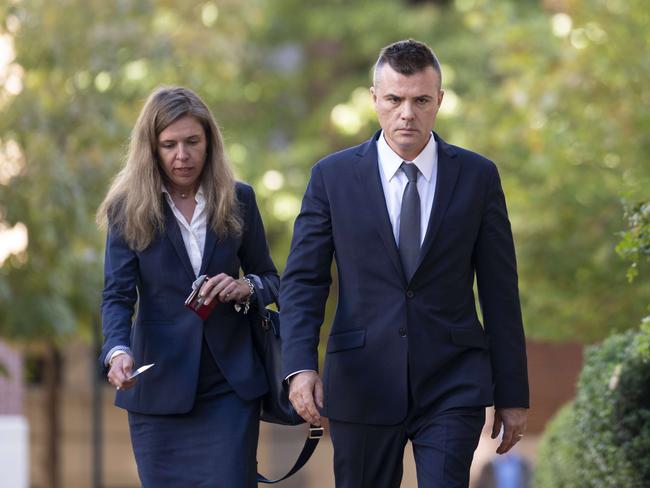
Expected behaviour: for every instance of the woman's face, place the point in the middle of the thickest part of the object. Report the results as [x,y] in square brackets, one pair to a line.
[182,151]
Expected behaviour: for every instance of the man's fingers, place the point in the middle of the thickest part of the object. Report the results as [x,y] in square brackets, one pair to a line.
[310,406]
[301,400]
[514,422]
[496,426]
[301,394]
[300,405]
[510,437]
[506,443]
[318,393]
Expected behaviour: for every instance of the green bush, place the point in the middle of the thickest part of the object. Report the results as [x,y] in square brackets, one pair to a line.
[556,455]
[602,440]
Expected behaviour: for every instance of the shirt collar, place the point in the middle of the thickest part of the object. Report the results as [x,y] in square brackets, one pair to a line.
[391,161]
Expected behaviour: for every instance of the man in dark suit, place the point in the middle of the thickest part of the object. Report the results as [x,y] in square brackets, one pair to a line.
[411,221]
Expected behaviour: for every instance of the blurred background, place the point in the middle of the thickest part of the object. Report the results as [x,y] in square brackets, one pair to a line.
[556,92]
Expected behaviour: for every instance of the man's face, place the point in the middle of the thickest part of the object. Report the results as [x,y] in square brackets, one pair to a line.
[406,107]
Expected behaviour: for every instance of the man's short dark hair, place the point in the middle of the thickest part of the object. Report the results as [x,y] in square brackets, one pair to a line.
[407,57]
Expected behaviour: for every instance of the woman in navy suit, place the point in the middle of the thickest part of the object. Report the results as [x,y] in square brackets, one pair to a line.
[173,214]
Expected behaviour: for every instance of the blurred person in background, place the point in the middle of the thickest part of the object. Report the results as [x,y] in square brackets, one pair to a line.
[174,213]
[411,221]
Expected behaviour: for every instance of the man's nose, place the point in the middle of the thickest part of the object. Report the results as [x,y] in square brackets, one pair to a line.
[407,111]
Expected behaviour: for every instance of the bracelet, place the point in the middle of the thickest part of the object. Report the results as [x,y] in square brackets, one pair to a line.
[245,306]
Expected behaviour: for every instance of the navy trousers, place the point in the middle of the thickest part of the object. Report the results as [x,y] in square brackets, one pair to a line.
[370,456]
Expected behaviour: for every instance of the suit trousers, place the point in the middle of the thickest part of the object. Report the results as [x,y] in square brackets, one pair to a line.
[371,456]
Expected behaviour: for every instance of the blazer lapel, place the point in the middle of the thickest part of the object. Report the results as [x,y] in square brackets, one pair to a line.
[210,242]
[174,234]
[448,170]
[369,181]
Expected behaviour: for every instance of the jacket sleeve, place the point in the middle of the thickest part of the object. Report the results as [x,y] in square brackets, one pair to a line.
[119,295]
[306,279]
[496,272]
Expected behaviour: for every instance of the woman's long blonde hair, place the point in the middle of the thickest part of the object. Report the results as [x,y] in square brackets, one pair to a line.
[134,205]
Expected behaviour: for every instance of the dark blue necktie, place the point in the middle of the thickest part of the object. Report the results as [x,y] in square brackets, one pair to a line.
[409,222]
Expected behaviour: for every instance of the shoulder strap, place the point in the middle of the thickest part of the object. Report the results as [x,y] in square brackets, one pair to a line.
[315,434]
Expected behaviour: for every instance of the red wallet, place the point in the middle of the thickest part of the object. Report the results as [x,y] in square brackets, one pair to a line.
[195,301]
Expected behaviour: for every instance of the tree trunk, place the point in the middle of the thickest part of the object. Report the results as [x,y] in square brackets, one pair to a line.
[52,383]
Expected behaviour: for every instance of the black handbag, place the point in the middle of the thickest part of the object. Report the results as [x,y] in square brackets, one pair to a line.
[276,407]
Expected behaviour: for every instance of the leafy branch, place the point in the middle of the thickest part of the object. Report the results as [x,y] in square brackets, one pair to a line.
[635,244]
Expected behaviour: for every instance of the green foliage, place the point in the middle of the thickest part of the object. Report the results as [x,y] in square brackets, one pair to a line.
[602,440]
[556,453]
[557,108]
[560,115]
[87,69]
[635,245]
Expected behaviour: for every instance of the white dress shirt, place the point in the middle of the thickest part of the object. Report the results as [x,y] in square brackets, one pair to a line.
[394,180]
[193,232]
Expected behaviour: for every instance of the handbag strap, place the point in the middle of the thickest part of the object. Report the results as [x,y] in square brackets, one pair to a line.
[315,434]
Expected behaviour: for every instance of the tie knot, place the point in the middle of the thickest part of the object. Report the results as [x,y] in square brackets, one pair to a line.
[411,172]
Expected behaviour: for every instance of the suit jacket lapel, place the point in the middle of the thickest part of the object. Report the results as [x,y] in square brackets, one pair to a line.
[174,234]
[369,180]
[210,242]
[448,170]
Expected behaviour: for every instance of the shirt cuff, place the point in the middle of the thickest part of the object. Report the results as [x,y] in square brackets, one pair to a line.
[116,351]
[300,371]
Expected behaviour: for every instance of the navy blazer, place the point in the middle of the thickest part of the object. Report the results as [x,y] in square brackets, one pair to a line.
[167,333]
[388,331]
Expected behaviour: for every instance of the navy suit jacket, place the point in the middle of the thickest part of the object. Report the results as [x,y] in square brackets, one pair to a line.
[388,331]
[168,334]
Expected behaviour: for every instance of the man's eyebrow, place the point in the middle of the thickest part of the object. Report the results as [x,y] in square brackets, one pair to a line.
[392,95]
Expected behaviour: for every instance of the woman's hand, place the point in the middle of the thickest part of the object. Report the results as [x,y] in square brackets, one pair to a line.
[225,288]
[118,375]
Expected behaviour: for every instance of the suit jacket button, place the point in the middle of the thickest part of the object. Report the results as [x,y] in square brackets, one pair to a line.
[410,294]
[402,332]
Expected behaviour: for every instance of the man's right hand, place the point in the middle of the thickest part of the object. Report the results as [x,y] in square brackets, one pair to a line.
[118,375]
[306,395]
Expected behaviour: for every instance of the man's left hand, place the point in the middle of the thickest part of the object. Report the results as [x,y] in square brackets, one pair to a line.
[514,422]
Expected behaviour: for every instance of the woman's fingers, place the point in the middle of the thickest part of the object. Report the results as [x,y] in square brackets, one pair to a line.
[120,372]
[236,290]
[214,286]
[224,288]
